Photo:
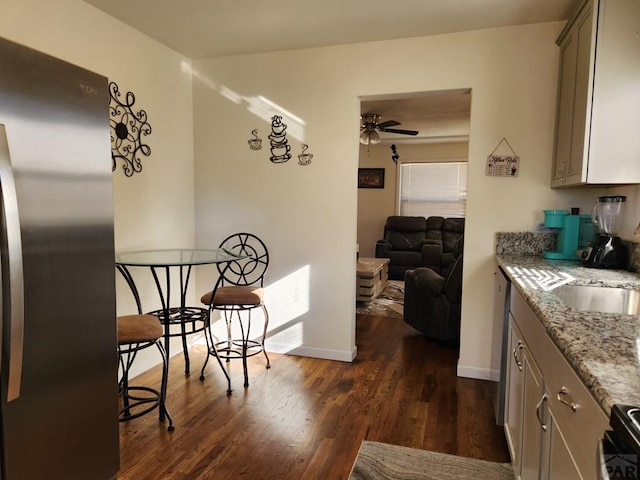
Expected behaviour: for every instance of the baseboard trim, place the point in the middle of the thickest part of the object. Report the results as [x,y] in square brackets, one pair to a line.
[326,354]
[478,373]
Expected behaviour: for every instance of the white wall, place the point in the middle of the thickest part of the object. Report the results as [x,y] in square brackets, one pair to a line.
[153,208]
[308,215]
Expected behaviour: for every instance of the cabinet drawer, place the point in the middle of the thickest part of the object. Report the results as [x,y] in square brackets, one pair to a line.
[583,427]
[533,332]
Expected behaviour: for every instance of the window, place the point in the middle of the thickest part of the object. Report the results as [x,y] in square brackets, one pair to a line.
[430,189]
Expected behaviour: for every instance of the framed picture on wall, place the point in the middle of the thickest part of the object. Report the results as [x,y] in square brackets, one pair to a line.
[371,178]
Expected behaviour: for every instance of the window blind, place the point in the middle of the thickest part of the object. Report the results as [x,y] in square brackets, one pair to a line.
[430,189]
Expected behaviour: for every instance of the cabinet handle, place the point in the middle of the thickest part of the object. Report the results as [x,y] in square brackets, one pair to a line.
[564,398]
[538,407]
[517,350]
[563,176]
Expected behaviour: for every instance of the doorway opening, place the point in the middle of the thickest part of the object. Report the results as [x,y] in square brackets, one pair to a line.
[440,146]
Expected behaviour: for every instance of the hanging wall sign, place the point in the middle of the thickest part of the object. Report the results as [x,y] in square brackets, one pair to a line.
[505,164]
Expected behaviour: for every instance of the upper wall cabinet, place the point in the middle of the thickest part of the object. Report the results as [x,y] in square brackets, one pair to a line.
[598,117]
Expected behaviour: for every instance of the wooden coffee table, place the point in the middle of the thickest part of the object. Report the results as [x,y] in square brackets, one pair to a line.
[371,278]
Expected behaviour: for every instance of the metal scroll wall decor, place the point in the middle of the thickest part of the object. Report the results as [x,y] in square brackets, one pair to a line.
[127,131]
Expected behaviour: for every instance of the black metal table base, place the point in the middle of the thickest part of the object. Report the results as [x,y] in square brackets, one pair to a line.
[191,320]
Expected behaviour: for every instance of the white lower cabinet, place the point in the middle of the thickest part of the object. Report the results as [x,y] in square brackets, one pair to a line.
[531,420]
[557,459]
[552,422]
[514,390]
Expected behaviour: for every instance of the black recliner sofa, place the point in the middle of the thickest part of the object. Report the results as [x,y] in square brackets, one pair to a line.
[412,242]
[432,301]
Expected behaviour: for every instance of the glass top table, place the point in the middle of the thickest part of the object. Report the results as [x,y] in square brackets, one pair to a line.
[175,257]
[189,319]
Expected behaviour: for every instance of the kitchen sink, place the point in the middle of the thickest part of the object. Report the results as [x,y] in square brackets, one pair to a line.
[600,299]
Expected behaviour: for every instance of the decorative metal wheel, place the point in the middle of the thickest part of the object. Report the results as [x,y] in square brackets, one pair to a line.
[127,131]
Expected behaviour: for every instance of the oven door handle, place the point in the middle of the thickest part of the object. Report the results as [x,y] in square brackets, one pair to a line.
[603,474]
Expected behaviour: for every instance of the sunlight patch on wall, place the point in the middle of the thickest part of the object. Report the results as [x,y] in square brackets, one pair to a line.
[229,94]
[260,106]
[265,109]
[286,299]
[194,73]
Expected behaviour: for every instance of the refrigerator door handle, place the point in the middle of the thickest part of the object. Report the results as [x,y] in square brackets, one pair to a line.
[11,266]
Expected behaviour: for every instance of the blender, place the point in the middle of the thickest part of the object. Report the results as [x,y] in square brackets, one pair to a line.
[608,250]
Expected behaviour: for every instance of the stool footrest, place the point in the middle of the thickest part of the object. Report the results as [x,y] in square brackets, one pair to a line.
[233,349]
[133,402]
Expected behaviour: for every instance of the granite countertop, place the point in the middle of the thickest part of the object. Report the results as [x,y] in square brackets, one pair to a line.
[603,348]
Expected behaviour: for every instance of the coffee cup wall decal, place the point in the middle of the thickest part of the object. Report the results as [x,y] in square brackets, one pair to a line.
[304,158]
[255,143]
[280,147]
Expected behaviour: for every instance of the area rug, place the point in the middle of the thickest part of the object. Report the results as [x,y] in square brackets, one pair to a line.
[382,461]
[390,302]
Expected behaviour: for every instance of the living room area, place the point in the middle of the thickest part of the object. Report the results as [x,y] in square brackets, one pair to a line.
[419,194]
[442,119]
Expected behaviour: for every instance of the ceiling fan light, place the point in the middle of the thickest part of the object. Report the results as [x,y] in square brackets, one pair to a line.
[369,137]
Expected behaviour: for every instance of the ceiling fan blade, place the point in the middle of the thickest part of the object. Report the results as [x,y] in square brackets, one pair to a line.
[401,132]
[388,123]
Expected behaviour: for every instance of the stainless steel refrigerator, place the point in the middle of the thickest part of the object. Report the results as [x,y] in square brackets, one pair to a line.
[59,405]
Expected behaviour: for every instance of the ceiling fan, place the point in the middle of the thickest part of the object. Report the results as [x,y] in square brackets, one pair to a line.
[369,125]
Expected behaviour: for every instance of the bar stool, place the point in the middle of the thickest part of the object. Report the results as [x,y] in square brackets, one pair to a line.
[238,291]
[135,333]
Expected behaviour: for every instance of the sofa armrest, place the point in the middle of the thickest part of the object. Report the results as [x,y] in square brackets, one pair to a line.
[425,281]
[447,261]
[383,249]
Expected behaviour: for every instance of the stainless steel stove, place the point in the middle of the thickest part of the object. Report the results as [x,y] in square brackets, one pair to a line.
[619,449]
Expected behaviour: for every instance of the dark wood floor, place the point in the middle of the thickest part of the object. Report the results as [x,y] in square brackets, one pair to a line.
[305,418]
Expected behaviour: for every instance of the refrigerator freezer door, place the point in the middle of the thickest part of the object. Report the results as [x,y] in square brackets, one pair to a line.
[64,424]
